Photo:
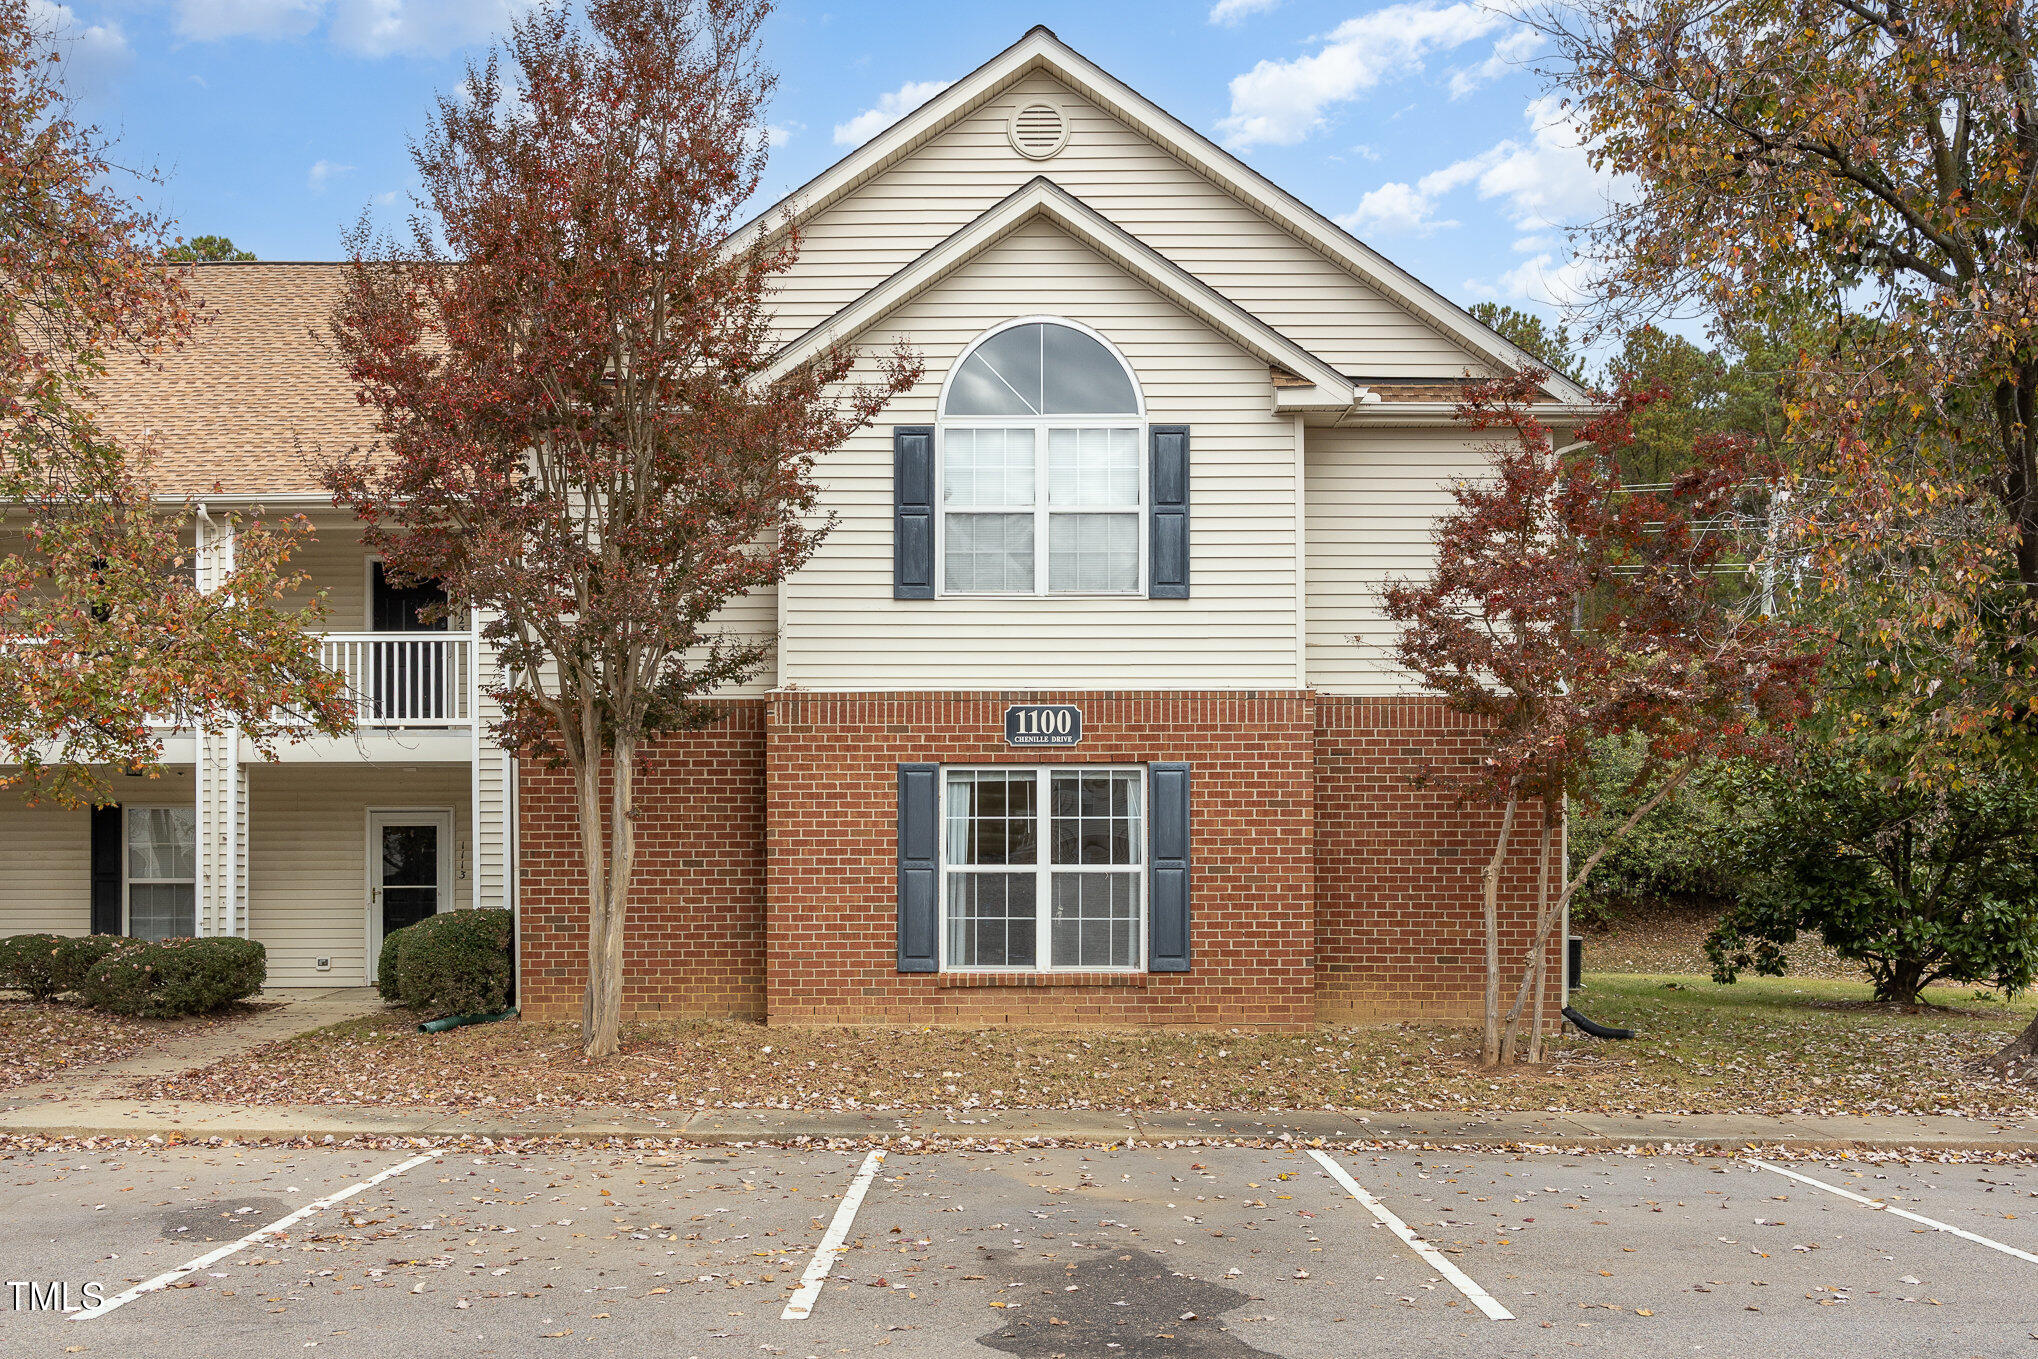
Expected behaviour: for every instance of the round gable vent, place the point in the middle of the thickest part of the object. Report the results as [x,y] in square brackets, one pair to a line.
[1039,130]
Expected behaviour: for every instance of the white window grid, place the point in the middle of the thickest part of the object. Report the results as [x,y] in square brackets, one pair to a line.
[1044,868]
[1043,428]
[128,878]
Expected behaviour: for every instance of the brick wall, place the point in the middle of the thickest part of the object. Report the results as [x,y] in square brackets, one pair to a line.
[1326,886]
[1399,932]
[831,942]
[696,926]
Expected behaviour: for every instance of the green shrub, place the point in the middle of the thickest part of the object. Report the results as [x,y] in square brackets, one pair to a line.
[81,954]
[1917,882]
[33,963]
[389,965]
[1685,850]
[453,963]
[176,977]
[47,965]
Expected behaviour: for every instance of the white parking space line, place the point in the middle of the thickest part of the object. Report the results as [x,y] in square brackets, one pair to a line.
[1905,1213]
[1459,1280]
[279,1226]
[831,1247]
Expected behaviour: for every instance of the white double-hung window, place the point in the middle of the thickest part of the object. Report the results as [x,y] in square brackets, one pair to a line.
[162,872]
[1043,478]
[1044,868]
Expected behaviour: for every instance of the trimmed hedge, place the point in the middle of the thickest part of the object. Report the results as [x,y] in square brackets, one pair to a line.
[453,963]
[29,962]
[174,977]
[83,953]
[389,965]
[47,965]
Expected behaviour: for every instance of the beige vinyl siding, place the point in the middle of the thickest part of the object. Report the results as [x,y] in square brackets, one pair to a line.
[867,236]
[1372,500]
[308,858]
[333,558]
[45,868]
[843,629]
[750,618]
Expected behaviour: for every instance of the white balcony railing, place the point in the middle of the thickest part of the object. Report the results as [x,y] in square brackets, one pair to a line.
[403,679]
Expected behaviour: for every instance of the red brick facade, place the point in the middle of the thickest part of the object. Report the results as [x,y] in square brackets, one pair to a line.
[831,946]
[1325,886]
[1399,922]
[696,929]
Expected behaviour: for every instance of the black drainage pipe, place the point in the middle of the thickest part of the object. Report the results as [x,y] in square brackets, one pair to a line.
[1597,1030]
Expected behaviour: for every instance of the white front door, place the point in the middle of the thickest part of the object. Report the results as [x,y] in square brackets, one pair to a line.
[410,856]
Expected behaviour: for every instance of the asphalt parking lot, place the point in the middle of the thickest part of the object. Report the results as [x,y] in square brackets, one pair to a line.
[1205,1252]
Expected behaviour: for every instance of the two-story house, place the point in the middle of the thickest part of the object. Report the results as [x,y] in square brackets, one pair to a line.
[1085,710]
[319,852]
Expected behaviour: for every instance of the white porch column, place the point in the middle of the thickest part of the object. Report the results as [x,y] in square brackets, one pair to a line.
[221,783]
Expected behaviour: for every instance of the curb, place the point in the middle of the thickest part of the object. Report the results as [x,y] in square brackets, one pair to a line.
[1687,1134]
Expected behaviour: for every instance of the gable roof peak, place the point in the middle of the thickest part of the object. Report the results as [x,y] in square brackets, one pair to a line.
[1319,385]
[1039,48]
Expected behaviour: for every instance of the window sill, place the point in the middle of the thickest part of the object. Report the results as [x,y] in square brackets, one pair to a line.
[957,980]
[1040,595]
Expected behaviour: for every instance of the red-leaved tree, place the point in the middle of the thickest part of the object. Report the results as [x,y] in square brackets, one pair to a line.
[1566,606]
[577,439]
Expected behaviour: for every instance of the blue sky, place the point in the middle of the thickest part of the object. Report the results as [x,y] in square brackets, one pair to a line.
[1416,124]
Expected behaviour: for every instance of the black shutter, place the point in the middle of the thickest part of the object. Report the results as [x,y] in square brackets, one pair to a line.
[919,868]
[106,875]
[912,512]
[1168,529]
[1167,930]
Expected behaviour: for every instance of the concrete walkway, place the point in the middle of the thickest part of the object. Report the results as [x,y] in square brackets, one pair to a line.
[86,1117]
[302,1009]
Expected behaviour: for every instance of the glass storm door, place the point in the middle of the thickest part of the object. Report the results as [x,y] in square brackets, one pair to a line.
[407,876]
[407,671]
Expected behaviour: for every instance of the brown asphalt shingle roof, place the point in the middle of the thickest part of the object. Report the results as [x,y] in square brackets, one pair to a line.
[253,398]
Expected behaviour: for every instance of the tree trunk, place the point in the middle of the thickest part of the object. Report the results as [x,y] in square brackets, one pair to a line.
[1905,978]
[1490,1049]
[602,1012]
[587,807]
[1510,1029]
[2019,1051]
[1543,910]
[1553,911]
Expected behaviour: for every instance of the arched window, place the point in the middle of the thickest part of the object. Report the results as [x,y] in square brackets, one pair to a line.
[1043,487]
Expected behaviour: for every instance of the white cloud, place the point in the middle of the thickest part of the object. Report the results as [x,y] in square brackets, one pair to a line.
[371,28]
[380,28]
[890,108]
[1508,55]
[324,172]
[1545,180]
[1282,102]
[1400,207]
[1226,13]
[1544,280]
[1394,208]
[210,20]
[1546,183]
[91,53]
